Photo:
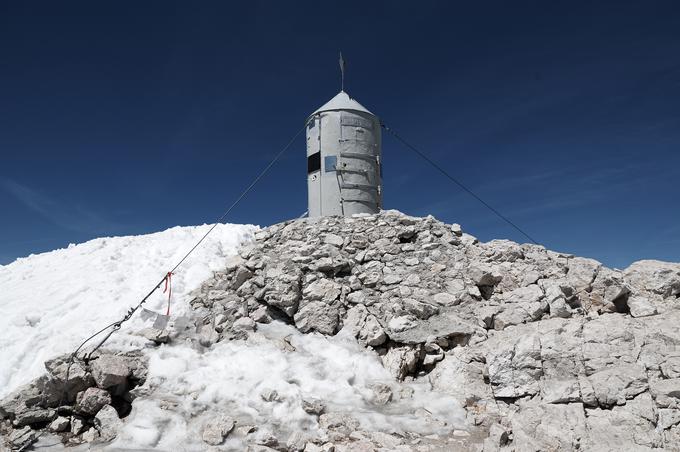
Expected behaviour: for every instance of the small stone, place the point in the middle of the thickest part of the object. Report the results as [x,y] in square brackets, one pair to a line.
[559,308]
[372,333]
[270,395]
[641,306]
[296,441]
[92,400]
[90,435]
[317,316]
[402,323]
[412,280]
[217,429]
[60,424]
[668,418]
[241,276]
[333,239]
[244,430]
[155,335]
[261,315]
[456,229]
[33,416]
[77,425]
[358,297]
[21,438]
[401,361]
[109,370]
[382,393]
[446,299]
[244,324]
[207,335]
[392,279]
[313,406]
[484,276]
[108,423]
[338,422]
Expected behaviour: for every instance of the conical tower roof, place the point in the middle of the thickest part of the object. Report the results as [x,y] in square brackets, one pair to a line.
[342,101]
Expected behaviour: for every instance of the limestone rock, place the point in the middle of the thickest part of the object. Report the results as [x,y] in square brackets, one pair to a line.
[21,438]
[110,370]
[78,425]
[33,415]
[514,369]
[107,423]
[666,392]
[662,278]
[92,400]
[333,239]
[60,424]
[313,406]
[217,429]
[445,325]
[401,361]
[641,306]
[244,324]
[90,435]
[548,427]
[616,384]
[317,316]
[372,333]
[155,335]
[79,379]
[324,290]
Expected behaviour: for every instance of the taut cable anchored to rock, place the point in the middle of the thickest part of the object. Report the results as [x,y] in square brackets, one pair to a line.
[457,182]
[115,326]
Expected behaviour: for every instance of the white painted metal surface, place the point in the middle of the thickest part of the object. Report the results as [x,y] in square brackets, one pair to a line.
[343,159]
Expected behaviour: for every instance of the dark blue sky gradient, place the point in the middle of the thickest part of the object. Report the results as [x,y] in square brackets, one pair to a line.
[131,117]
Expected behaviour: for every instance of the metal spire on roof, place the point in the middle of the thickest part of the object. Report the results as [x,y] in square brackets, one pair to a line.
[342,73]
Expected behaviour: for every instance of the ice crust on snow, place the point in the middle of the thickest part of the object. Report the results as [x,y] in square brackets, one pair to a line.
[232,376]
[52,301]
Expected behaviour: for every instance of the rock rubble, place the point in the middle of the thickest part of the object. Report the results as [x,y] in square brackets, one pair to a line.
[544,350]
[83,407]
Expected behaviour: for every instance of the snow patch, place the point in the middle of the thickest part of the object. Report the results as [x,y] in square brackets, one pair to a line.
[232,377]
[52,301]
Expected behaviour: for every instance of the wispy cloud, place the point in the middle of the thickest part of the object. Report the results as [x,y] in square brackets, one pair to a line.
[70,217]
[540,193]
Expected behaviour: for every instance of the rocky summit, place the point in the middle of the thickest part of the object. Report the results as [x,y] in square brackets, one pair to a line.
[546,351]
[543,350]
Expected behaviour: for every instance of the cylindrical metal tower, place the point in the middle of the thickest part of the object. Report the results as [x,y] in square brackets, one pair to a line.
[343,159]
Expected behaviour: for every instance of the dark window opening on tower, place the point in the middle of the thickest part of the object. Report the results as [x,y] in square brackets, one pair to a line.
[314,162]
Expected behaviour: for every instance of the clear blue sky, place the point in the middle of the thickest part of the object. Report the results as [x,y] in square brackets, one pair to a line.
[130,117]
